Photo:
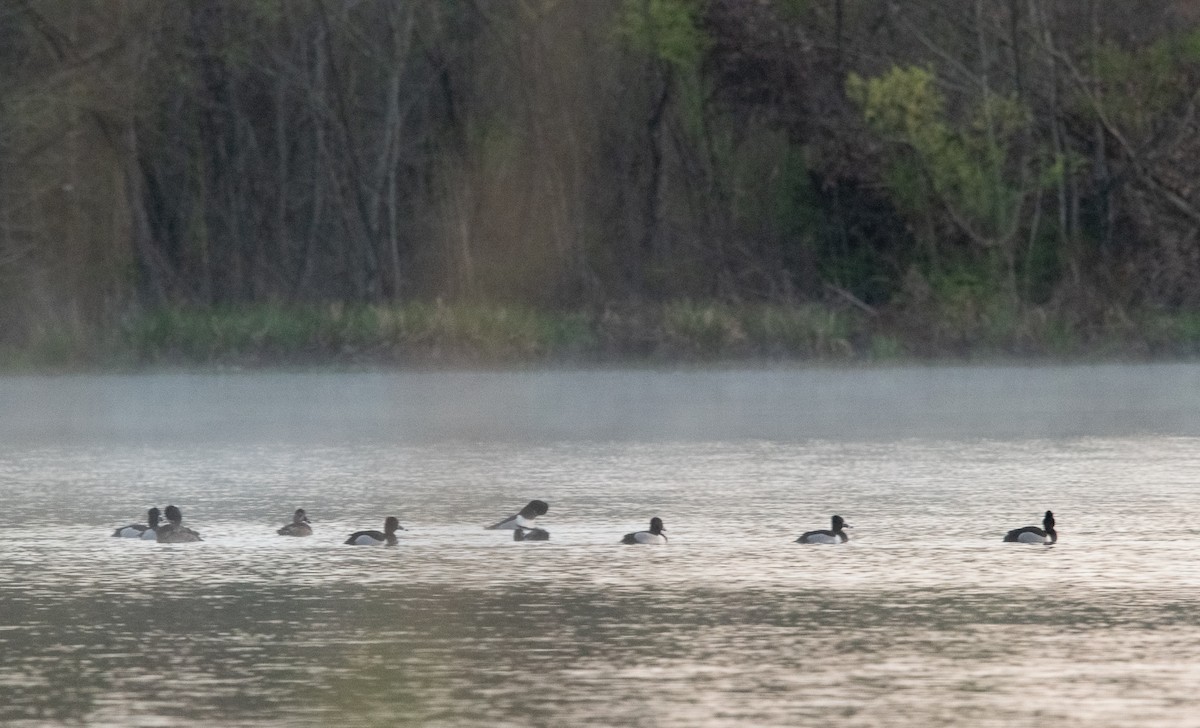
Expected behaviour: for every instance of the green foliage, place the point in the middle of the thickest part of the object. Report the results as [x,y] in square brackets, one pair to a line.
[1141,85]
[768,179]
[701,329]
[286,151]
[903,103]
[965,319]
[1041,268]
[968,166]
[467,333]
[54,348]
[807,330]
[667,29]
[1172,334]
[480,334]
[670,31]
[975,172]
[773,195]
[885,347]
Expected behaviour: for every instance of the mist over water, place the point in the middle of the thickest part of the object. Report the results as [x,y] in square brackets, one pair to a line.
[923,618]
[606,405]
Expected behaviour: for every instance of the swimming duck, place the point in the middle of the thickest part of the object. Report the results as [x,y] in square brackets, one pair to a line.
[654,535]
[299,525]
[1032,534]
[137,530]
[530,534]
[375,538]
[525,518]
[834,535]
[151,534]
[173,531]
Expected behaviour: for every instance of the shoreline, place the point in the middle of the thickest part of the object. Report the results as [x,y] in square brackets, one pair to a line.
[671,335]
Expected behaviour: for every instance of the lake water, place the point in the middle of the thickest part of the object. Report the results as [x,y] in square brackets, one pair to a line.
[924,618]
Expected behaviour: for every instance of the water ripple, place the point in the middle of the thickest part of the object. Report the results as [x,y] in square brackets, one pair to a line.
[925,617]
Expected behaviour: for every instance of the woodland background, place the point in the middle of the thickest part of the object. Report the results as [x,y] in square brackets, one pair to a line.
[784,177]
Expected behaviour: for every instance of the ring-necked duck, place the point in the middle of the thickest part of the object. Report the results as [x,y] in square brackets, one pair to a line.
[137,530]
[525,518]
[530,534]
[654,535]
[299,525]
[173,531]
[375,538]
[1032,534]
[834,535]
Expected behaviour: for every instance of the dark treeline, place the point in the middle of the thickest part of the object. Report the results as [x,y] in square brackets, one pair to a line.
[916,160]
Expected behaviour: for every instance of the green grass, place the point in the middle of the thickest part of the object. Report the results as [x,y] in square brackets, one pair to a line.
[412,332]
[679,331]
[419,332]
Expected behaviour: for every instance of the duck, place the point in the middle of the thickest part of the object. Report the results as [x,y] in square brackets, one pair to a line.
[834,535]
[299,525]
[530,534]
[137,530]
[374,538]
[151,534]
[523,519]
[173,531]
[1032,534]
[654,536]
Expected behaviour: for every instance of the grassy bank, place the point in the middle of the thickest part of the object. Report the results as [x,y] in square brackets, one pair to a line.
[683,332]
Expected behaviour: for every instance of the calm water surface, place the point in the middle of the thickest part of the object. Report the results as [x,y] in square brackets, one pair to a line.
[924,618]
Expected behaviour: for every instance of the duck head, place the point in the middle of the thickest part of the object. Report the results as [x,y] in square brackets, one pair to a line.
[534,509]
